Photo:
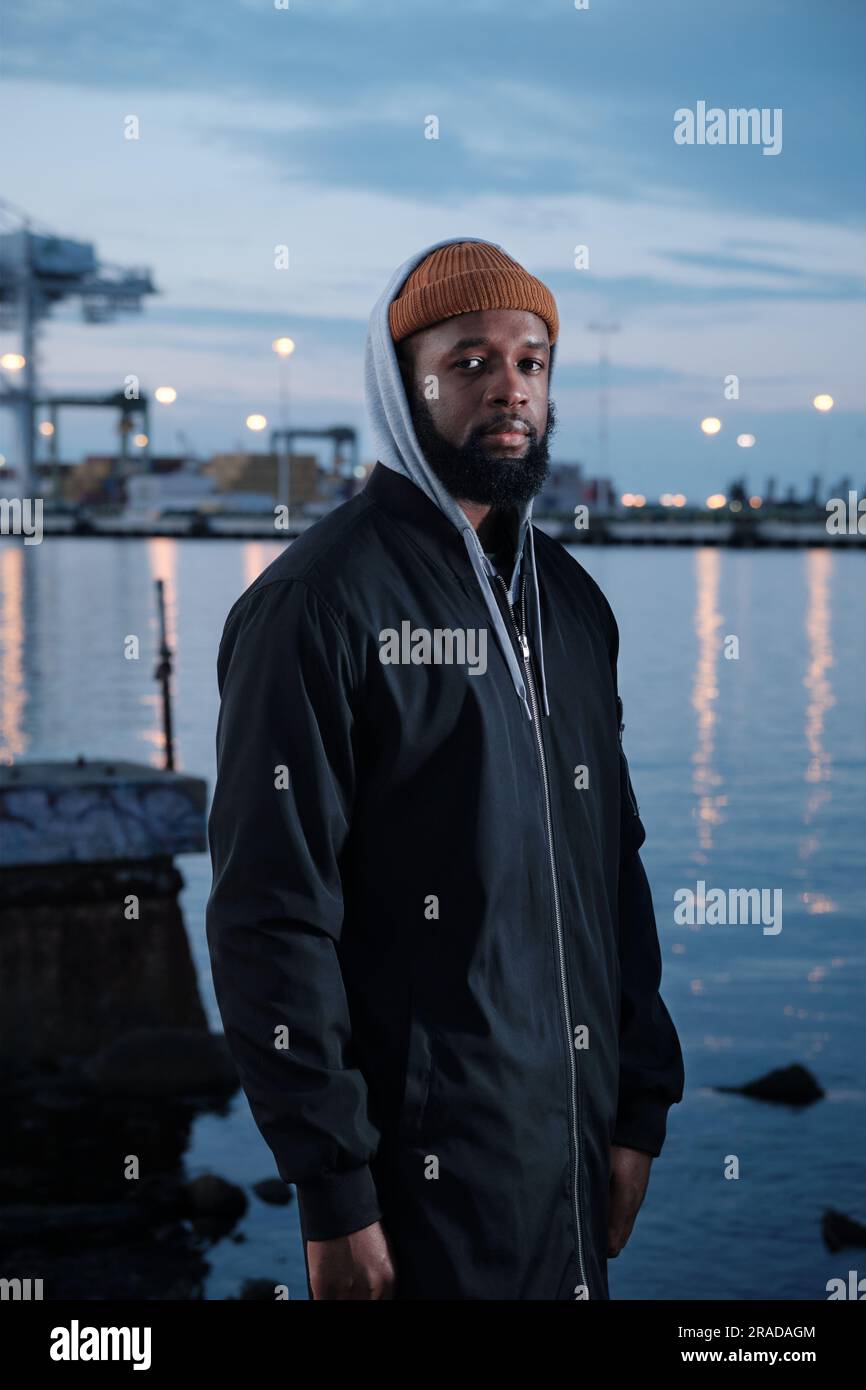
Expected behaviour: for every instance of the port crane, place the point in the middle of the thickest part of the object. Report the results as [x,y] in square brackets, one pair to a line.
[39,270]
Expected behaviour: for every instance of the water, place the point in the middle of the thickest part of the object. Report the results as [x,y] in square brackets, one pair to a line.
[749,773]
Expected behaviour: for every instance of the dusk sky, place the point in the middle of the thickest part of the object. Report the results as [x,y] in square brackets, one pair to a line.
[305,126]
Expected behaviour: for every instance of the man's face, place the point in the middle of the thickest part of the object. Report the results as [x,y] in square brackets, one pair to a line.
[485,429]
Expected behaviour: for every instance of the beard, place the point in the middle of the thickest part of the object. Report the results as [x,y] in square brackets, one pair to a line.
[473,472]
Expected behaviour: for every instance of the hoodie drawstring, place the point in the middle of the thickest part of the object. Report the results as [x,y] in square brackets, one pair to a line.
[470,540]
[471,545]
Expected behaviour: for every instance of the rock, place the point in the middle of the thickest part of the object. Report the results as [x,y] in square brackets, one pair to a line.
[164,1061]
[274,1191]
[214,1206]
[840,1230]
[794,1085]
[210,1195]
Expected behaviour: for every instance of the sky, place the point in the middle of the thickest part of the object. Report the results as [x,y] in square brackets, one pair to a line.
[305,126]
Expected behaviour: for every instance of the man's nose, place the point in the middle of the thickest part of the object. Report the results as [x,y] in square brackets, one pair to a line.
[506,388]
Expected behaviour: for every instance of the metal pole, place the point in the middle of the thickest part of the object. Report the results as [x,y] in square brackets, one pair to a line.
[28,389]
[284,457]
[163,675]
[54,452]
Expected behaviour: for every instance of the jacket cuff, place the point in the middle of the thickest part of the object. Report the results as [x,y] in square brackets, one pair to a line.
[338,1204]
[641,1123]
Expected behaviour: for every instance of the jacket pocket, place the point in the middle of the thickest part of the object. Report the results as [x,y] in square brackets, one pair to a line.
[419,1073]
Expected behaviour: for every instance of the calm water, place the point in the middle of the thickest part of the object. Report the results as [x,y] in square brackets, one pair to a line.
[749,773]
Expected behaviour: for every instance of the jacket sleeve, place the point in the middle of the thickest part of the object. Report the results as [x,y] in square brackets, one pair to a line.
[651,1072]
[279,820]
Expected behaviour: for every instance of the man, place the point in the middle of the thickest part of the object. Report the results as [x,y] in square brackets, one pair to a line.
[432,937]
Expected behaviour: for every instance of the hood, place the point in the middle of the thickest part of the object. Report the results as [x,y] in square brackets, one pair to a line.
[397,447]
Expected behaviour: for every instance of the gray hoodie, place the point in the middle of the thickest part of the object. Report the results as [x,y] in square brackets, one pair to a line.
[397,447]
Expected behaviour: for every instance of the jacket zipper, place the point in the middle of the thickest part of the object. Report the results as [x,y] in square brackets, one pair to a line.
[574,1145]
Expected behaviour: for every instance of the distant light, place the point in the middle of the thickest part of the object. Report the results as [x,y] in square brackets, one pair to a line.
[140,440]
[718,499]
[736,506]
[666,499]
[755,502]
[360,471]
[679,499]
[2,460]
[165,395]
[256,422]
[46,428]
[639,500]
[13,361]
[284,347]
[711,425]
[627,499]
[745,441]
[823,403]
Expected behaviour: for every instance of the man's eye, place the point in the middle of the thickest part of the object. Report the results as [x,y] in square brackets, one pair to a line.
[531,363]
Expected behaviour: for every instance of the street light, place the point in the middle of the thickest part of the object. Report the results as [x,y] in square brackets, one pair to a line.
[823,403]
[13,361]
[283,347]
[163,395]
[257,422]
[711,425]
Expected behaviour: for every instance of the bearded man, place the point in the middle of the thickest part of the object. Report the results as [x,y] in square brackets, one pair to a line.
[431,934]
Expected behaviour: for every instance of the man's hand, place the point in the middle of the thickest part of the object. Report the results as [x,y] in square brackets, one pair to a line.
[356,1266]
[629,1175]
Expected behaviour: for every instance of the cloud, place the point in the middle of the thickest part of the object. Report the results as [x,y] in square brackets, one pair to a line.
[305,127]
[532,100]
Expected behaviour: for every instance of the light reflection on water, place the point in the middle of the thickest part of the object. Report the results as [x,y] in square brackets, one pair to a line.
[748,772]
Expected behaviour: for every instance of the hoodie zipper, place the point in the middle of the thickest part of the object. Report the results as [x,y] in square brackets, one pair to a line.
[574,1145]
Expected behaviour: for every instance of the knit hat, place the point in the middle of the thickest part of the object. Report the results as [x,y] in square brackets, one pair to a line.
[465,276]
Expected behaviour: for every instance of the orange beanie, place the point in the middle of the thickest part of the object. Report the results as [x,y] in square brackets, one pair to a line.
[463,277]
